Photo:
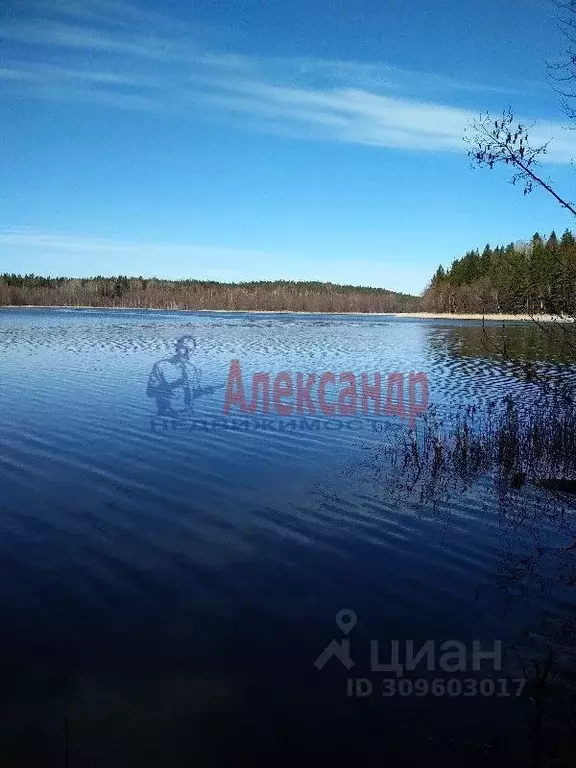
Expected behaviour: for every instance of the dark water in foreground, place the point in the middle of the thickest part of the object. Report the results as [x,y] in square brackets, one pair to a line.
[165,593]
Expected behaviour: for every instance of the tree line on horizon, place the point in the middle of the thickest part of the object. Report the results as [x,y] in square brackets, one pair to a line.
[533,277]
[538,276]
[154,293]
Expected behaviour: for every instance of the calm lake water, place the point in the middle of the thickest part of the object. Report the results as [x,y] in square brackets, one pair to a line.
[164,593]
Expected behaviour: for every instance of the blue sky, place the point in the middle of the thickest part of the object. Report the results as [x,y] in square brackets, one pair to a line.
[247,139]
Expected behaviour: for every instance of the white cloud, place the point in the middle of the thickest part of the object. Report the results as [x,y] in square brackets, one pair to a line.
[95,55]
[73,255]
[39,242]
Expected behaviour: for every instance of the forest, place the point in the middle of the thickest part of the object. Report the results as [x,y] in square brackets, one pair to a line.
[531,277]
[538,276]
[140,292]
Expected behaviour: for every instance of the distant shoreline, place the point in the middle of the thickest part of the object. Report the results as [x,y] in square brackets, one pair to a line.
[414,315]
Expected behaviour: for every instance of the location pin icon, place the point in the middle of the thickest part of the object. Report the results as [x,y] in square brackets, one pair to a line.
[346,620]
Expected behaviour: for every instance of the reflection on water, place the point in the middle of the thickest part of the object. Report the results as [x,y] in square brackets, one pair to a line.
[166,592]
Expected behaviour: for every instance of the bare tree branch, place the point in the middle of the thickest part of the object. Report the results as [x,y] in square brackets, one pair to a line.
[503,142]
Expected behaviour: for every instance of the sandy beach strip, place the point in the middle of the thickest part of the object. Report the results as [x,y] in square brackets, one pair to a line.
[489,317]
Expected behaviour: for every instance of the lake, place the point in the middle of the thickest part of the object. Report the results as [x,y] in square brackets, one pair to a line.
[251,587]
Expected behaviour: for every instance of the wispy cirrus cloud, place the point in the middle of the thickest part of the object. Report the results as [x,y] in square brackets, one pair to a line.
[83,246]
[75,255]
[108,55]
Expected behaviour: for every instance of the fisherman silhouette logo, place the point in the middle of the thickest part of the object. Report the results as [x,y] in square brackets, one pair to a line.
[175,383]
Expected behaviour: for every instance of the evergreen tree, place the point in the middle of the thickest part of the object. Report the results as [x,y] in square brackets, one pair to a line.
[534,277]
